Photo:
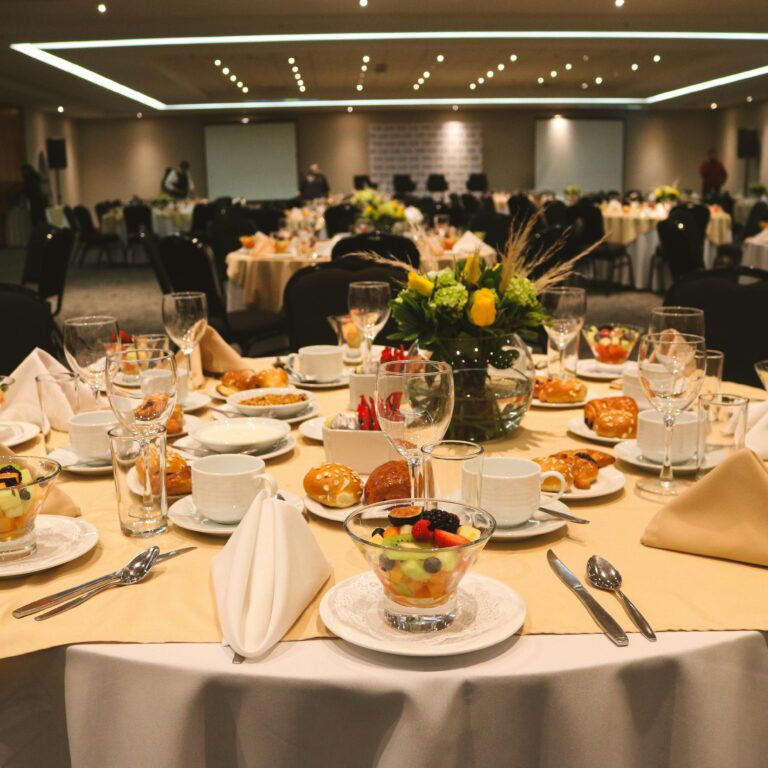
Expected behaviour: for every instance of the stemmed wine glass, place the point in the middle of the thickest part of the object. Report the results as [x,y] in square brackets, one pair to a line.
[185,317]
[414,405]
[681,319]
[87,342]
[671,367]
[143,410]
[566,309]
[369,309]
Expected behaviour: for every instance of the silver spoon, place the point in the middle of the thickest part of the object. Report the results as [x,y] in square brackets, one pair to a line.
[604,576]
[133,573]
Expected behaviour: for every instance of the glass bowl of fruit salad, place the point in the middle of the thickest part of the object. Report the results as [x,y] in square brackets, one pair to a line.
[420,550]
[612,343]
[24,484]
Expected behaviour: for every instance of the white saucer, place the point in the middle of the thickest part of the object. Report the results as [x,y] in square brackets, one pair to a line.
[189,421]
[59,540]
[536,403]
[184,514]
[541,523]
[578,427]
[62,455]
[313,429]
[284,446]
[195,401]
[22,431]
[609,480]
[127,380]
[591,369]
[488,613]
[629,451]
[342,381]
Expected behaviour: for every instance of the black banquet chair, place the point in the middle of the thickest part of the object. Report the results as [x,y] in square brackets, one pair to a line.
[403,184]
[315,292]
[91,239]
[189,267]
[477,182]
[340,218]
[47,261]
[436,182]
[382,244]
[37,330]
[677,249]
[363,181]
[137,218]
[696,217]
[224,234]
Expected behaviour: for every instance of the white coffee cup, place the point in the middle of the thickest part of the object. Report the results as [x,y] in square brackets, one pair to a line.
[632,386]
[88,434]
[318,362]
[511,489]
[650,436]
[224,486]
[155,381]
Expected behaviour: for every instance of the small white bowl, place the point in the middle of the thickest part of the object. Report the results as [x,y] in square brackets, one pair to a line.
[273,411]
[361,450]
[233,435]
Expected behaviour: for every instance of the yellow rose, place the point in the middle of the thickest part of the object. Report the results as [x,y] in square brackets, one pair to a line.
[483,311]
[420,284]
[472,269]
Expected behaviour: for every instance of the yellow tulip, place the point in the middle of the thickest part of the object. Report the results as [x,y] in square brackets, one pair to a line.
[472,270]
[420,284]
[483,311]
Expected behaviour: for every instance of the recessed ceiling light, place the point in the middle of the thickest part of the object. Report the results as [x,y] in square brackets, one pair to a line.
[300,83]
[553,73]
[245,89]
[294,68]
[225,71]
[233,78]
[217,62]
[749,99]
[59,108]
[480,80]
[363,3]
[569,67]
[635,67]
[359,86]
[420,81]
[540,81]
[500,67]
[244,120]
[426,74]
[440,58]
[584,86]
[489,73]
[101,8]
[557,117]
[513,57]
[416,86]
[455,107]
[350,109]
[656,59]
[618,3]
[713,105]
[302,88]
[297,76]
[291,60]
[139,115]
[472,86]
[598,80]
[585,57]
[366,59]
[239,83]
[364,68]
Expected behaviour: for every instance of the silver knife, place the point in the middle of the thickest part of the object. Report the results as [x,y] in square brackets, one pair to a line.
[66,594]
[564,516]
[598,613]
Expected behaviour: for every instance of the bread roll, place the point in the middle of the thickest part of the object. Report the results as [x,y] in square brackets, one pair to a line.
[238,381]
[562,391]
[178,474]
[621,424]
[333,485]
[388,481]
[176,421]
[602,404]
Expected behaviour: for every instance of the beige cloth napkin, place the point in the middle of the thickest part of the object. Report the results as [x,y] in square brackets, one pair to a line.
[21,401]
[470,243]
[56,502]
[212,355]
[723,515]
[266,575]
[757,429]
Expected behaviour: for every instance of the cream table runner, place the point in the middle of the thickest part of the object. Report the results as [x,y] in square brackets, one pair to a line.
[675,591]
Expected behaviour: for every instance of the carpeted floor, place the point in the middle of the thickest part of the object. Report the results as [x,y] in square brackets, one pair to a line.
[131,294]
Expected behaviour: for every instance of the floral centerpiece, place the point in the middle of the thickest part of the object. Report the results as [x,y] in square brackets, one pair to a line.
[382,213]
[664,192]
[163,200]
[572,192]
[757,190]
[475,317]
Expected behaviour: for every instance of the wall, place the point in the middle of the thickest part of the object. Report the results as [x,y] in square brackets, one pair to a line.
[754,116]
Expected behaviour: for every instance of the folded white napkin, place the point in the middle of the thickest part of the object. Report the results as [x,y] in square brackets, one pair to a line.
[413,215]
[470,243]
[21,400]
[757,429]
[266,575]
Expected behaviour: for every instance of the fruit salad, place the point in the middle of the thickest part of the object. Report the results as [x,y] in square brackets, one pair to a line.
[22,491]
[611,344]
[421,549]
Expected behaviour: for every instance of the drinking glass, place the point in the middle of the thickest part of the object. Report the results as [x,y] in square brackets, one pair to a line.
[566,309]
[185,317]
[713,373]
[453,469]
[682,319]
[369,309]
[6,382]
[56,391]
[761,369]
[671,368]
[722,428]
[144,410]
[414,405]
[87,342]
[152,341]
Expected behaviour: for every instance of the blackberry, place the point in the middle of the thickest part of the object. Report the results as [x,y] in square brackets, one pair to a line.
[445,521]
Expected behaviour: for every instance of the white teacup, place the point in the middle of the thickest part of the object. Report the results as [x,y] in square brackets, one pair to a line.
[650,436]
[319,362]
[88,434]
[632,386]
[224,486]
[511,489]
[154,381]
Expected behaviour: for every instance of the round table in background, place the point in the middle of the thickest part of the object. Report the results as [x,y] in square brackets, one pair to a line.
[755,252]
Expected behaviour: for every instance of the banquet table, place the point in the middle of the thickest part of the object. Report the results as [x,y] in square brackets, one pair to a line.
[690,699]
[755,251]
[170,220]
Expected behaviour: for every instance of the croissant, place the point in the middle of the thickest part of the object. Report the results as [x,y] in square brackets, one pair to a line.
[594,408]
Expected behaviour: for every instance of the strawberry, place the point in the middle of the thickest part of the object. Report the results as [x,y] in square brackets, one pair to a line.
[420,530]
[448,539]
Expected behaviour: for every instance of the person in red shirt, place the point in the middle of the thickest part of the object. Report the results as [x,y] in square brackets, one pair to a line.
[713,174]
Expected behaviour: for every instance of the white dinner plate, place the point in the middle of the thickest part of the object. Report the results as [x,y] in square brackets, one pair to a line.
[313,429]
[342,381]
[21,432]
[540,524]
[195,401]
[629,451]
[536,403]
[334,514]
[488,613]
[284,446]
[134,484]
[60,539]
[591,369]
[184,514]
[215,395]
[578,427]
[609,480]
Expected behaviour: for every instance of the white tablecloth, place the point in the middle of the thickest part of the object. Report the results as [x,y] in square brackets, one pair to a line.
[691,700]
[755,252]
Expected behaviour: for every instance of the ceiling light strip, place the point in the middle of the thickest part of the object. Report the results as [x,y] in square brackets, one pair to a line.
[718,81]
[321,37]
[87,74]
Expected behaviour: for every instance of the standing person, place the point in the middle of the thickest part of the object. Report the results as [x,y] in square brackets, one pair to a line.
[314,184]
[32,189]
[713,174]
[178,183]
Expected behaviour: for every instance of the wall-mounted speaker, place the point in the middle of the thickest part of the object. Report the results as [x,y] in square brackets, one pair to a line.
[56,149]
[749,143]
